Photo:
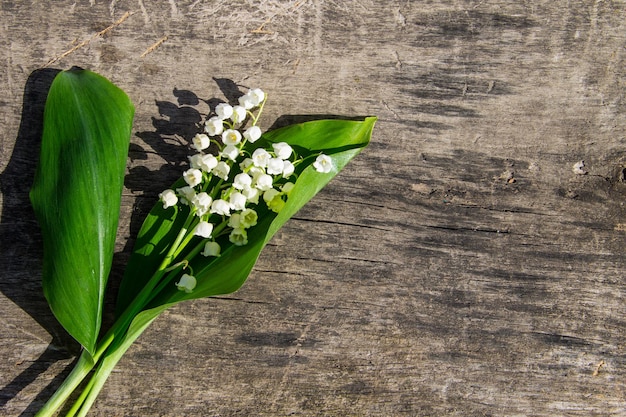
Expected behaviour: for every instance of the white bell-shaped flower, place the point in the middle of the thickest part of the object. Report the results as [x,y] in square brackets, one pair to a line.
[231,137]
[202,203]
[211,249]
[233,220]
[275,166]
[323,164]
[192,177]
[214,126]
[246,101]
[251,193]
[282,150]
[186,283]
[252,134]
[248,218]
[168,198]
[288,169]
[242,180]
[264,182]
[230,151]
[201,142]
[261,157]
[287,187]
[221,170]
[224,111]
[186,194]
[238,236]
[239,114]
[207,162]
[203,229]
[237,201]
[220,207]
[195,160]
[257,95]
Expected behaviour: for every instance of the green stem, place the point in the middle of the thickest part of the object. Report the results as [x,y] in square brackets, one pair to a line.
[82,368]
[86,362]
[111,357]
[255,119]
[144,296]
[184,243]
[168,279]
[80,399]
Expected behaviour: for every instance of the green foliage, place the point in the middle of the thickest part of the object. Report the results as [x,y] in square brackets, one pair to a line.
[340,139]
[76,195]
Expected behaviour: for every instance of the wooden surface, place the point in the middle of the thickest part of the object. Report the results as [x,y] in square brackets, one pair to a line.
[458,267]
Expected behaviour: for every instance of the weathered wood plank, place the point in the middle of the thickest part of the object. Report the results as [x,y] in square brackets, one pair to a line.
[458,267]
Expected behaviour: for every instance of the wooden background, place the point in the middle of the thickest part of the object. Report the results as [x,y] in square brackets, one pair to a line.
[460,266]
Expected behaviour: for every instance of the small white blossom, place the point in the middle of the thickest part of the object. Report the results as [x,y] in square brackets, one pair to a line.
[169,199]
[203,229]
[323,163]
[248,218]
[239,114]
[275,166]
[288,169]
[257,96]
[237,201]
[246,163]
[187,194]
[276,205]
[273,199]
[238,237]
[221,170]
[287,187]
[264,182]
[246,101]
[186,283]
[211,249]
[230,151]
[224,111]
[242,180]
[252,134]
[231,137]
[202,203]
[270,194]
[282,150]
[193,177]
[195,160]
[201,141]
[214,126]
[207,162]
[251,193]
[220,207]
[234,220]
[255,172]
[252,98]
[261,157]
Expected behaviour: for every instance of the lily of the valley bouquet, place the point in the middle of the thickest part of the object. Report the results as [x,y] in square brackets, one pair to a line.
[202,237]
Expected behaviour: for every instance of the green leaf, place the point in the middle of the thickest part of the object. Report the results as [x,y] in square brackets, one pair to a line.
[76,195]
[340,139]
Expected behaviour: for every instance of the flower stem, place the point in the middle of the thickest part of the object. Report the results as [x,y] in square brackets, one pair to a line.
[86,362]
[110,358]
[82,368]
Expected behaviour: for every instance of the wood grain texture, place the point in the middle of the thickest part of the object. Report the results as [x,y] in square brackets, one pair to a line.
[459,266]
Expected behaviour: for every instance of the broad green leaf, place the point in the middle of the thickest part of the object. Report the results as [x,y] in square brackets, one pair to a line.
[76,195]
[340,139]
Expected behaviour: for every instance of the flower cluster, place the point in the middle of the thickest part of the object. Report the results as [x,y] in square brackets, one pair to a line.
[225,188]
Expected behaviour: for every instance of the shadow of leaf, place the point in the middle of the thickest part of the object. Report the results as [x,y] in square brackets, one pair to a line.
[20,238]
